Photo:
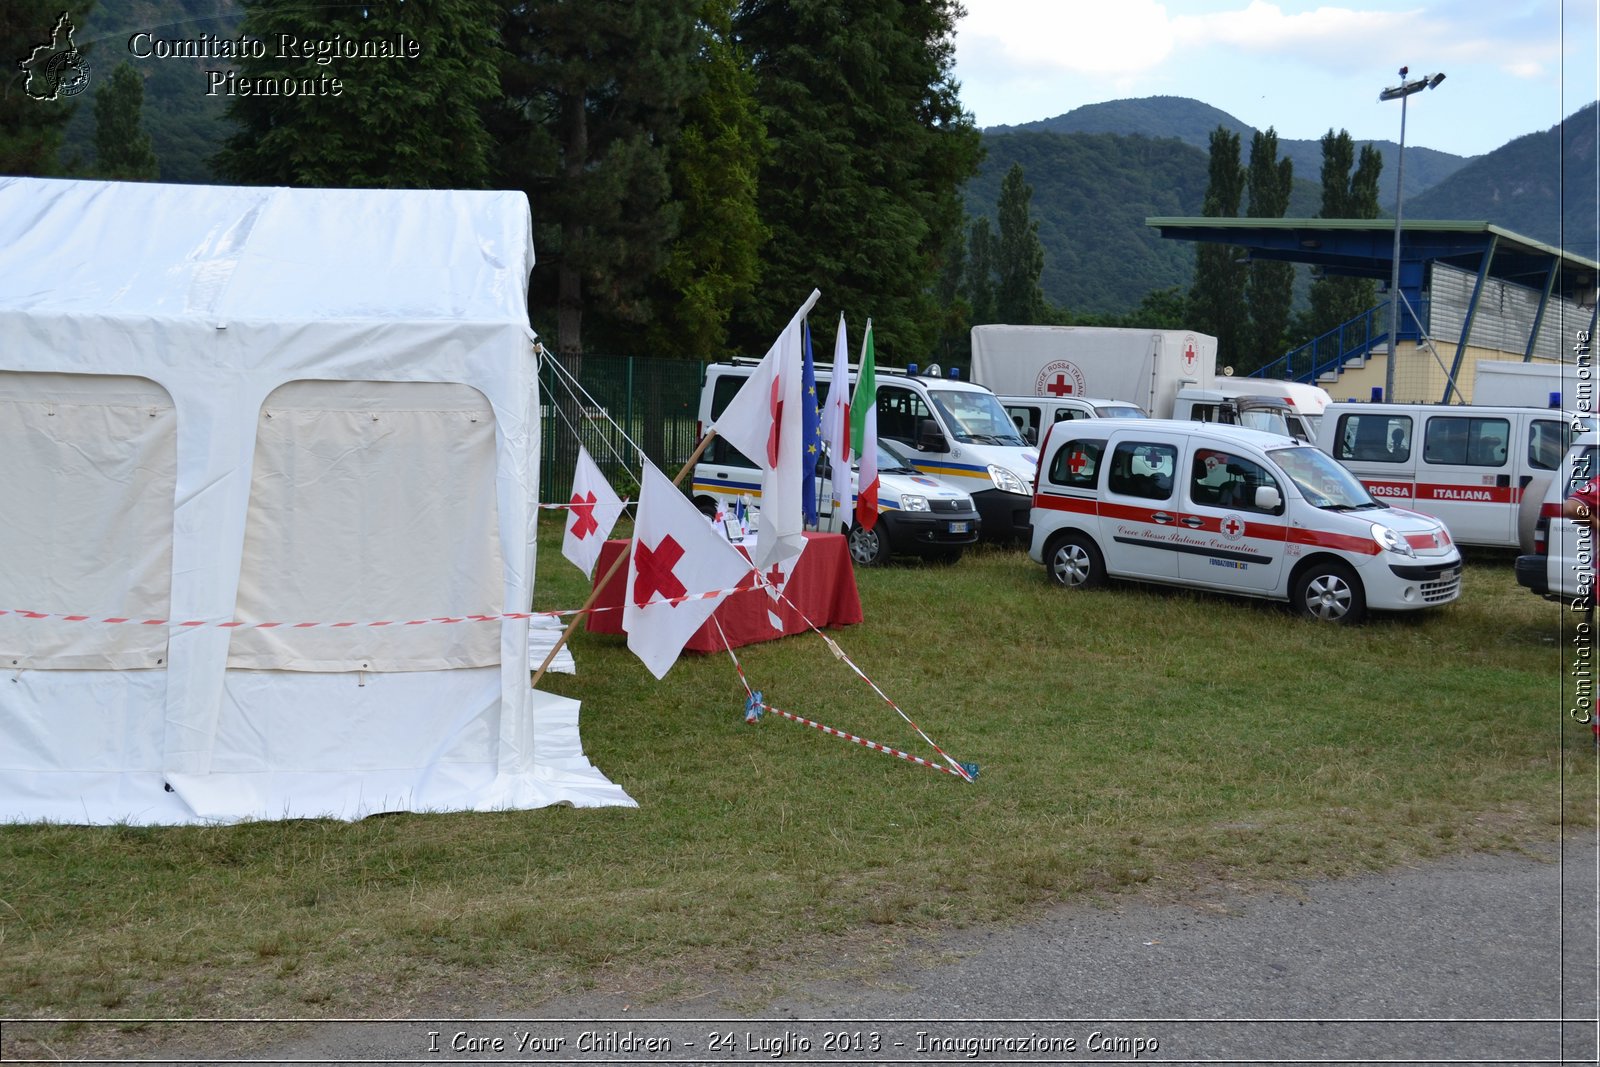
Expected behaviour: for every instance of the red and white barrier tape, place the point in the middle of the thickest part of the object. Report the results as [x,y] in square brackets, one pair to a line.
[755,704]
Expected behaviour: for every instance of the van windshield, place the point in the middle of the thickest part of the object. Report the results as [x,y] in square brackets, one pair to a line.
[1321,480]
[975,417]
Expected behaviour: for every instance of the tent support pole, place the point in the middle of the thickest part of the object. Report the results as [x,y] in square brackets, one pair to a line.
[605,579]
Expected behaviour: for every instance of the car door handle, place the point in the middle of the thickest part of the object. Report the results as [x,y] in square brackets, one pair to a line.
[1161,517]
[1194,522]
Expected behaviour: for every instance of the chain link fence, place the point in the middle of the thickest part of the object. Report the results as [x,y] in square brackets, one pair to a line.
[652,401]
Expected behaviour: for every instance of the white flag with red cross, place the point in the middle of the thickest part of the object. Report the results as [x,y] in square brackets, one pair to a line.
[764,421]
[679,570]
[591,514]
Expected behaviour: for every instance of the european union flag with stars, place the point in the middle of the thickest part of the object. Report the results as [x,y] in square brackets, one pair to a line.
[810,433]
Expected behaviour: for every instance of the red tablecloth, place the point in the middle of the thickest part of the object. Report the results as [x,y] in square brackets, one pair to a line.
[820,584]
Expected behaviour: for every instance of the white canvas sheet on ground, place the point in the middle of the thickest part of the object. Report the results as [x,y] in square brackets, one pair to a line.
[204,313]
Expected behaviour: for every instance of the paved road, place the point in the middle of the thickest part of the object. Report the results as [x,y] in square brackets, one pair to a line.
[1488,958]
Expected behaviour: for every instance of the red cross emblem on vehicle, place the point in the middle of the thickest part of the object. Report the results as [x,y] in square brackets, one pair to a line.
[1077,462]
[583,516]
[1059,387]
[653,572]
[1232,527]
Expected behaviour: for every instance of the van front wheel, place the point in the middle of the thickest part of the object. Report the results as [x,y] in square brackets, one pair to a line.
[868,548]
[1075,562]
[1329,591]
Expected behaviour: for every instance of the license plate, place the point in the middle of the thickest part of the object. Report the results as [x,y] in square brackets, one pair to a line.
[960,527]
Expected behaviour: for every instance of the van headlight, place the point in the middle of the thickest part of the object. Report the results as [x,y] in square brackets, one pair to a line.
[1393,542]
[908,502]
[1005,481]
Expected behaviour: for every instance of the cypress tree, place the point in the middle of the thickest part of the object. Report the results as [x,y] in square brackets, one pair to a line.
[1271,284]
[1217,300]
[1019,256]
[122,146]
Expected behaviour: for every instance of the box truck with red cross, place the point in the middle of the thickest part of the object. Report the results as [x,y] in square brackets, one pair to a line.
[1170,374]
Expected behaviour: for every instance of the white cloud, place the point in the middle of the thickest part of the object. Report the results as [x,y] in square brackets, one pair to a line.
[1121,37]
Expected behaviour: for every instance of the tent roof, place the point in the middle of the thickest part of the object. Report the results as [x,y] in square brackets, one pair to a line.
[142,250]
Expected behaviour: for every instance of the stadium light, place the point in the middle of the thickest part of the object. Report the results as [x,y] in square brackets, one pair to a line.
[1400,92]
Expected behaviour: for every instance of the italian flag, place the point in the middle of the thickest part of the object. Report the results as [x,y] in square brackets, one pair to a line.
[864,433]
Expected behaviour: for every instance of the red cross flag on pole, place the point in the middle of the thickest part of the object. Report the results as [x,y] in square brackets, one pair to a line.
[763,421]
[592,513]
[679,570]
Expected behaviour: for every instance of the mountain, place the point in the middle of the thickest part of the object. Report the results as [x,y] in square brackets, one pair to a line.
[1099,171]
[1541,185]
[185,125]
[1191,122]
[1091,195]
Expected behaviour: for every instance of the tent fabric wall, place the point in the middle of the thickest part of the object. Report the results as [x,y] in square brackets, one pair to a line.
[219,298]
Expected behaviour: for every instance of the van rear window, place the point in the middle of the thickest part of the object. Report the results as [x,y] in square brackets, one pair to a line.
[1077,464]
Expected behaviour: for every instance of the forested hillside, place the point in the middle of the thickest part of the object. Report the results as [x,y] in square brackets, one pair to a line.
[1540,186]
[1091,195]
[1191,121]
[185,125]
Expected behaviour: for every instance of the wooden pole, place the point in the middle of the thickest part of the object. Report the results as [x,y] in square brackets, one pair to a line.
[616,565]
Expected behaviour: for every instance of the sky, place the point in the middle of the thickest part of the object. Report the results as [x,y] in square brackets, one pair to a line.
[1512,67]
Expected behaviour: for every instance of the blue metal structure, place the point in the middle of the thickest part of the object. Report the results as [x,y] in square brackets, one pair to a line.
[1364,248]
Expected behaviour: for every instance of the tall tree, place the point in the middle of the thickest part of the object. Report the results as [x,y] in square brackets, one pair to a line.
[954,341]
[980,270]
[1271,285]
[592,97]
[407,121]
[122,147]
[36,50]
[1335,300]
[872,149]
[1217,299]
[715,262]
[1019,256]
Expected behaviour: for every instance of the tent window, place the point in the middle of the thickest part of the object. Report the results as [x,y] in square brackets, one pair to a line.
[87,469]
[371,502]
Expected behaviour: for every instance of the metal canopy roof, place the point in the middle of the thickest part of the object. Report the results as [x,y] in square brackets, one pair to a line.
[1364,248]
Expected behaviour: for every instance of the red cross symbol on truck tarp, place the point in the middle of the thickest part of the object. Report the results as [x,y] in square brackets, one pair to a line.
[1232,527]
[653,571]
[1059,387]
[583,516]
[1077,461]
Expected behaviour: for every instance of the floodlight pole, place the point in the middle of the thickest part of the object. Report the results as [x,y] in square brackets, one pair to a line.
[1400,92]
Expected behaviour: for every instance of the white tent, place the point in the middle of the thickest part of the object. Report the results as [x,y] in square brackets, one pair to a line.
[264,455]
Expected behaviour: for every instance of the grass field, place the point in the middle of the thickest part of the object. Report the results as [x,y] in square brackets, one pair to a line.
[1131,740]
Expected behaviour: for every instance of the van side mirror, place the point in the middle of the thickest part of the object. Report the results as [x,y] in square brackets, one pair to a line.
[1268,498]
[930,438]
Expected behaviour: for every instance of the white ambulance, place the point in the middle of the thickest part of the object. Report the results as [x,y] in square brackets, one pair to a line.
[1470,466]
[949,430]
[1561,563]
[1033,415]
[1234,510]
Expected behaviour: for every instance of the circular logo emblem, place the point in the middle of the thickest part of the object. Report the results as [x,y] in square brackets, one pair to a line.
[1232,526]
[1191,354]
[68,73]
[1060,377]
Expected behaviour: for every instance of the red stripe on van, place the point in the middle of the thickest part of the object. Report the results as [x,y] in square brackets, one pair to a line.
[1076,505]
[1365,546]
